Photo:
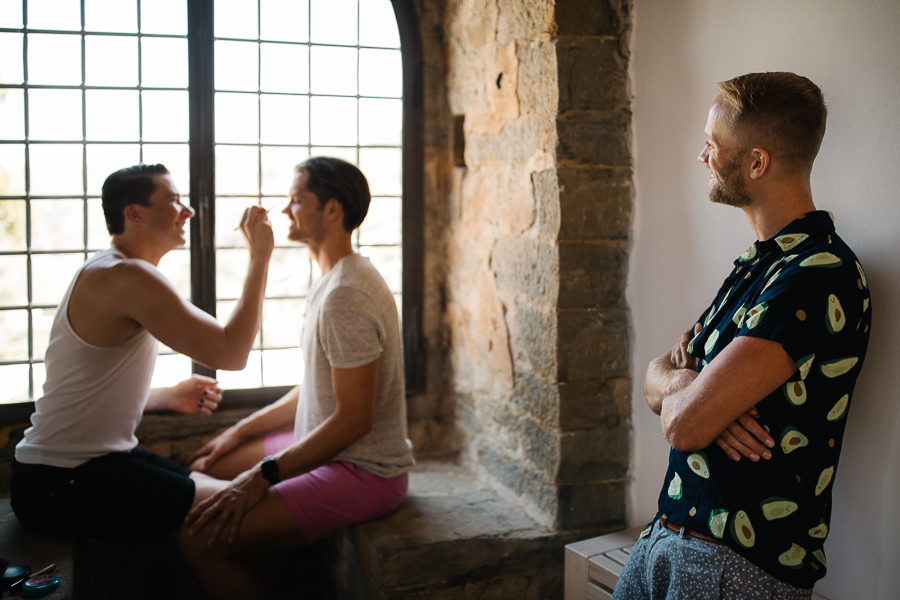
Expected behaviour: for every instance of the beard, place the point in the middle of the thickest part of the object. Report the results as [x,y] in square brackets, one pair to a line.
[729,188]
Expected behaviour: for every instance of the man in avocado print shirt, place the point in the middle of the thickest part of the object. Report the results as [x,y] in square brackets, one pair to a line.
[754,398]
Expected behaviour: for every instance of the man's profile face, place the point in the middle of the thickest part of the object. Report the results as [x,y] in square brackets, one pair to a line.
[304,212]
[722,156]
[166,213]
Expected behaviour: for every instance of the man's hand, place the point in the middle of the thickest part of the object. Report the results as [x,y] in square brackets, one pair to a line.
[226,508]
[203,459]
[198,395]
[746,437]
[679,355]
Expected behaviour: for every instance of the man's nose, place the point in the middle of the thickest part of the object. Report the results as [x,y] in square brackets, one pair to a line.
[191,212]
[704,155]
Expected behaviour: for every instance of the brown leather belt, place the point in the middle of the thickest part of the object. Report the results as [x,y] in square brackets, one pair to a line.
[684,531]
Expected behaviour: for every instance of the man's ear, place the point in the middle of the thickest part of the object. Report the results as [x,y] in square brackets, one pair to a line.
[760,160]
[133,213]
[333,208]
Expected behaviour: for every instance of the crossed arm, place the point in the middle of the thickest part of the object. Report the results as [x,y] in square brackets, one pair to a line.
[718,403]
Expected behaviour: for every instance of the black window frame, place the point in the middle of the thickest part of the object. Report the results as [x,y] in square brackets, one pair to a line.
[202,191]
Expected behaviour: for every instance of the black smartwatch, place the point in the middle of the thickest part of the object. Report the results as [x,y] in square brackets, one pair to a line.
[270,470]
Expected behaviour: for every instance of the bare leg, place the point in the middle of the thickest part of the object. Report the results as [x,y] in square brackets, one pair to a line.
[238,460]
[269,526]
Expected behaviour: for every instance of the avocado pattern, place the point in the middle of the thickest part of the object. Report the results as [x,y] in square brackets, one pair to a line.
[698,464]
[718,518]
[823,308]
[777,508]
[674,490]
[795,392]
[742,530]
[792,439]
[836,318]
[793,557]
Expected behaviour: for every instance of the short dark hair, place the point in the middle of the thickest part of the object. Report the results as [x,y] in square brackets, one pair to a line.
[782,112]
[328,177]
[131,185]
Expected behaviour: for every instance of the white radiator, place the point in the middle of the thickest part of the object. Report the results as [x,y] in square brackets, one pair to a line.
[593,566]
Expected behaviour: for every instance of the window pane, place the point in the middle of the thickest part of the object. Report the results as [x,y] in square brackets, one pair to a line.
[176,266]
[249,377]
[164,62]
[11,15]
[333,71]
[334,21]
[289,270]
[388,261]
[237,66]
[176,158]
[377,24]
[51,274]
[284,68]
[380,73]
[54,59]
[53,14]
[14,341]
[98,235]
[348,154]
[112,115]
[104,159]
[110,60]
[41,323]
[236,19]
[12,114]
[229,212]
[237,171]
[15,383]
[380,122]
[237,118]
[12,169]
[164,16]
[278,169]
[282,367]
[110,15]
[383,169]
[286,20]
[282,321]
[285,119]
[382,224]
[333,121]
[12,223]
[56,169]
[13,291]
[231,266]
[11,50]
[54,115]
[57,224]
[170,368]
[165,116]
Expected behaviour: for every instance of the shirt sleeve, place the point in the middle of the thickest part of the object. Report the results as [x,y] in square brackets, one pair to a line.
[350,331]
[803,305]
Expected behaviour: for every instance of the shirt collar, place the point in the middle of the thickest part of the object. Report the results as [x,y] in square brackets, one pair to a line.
[811,225]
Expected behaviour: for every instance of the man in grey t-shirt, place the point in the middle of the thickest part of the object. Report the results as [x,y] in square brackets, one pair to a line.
[347,458]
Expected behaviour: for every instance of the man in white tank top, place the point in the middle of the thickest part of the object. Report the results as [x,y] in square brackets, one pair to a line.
[77,470]
[333,451]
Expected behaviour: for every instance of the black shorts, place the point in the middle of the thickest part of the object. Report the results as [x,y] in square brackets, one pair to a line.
[135,497]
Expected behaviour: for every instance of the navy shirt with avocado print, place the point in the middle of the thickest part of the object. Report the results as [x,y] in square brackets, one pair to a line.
[806,290]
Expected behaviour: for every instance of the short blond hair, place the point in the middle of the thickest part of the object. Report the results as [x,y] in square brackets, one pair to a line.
[784,113]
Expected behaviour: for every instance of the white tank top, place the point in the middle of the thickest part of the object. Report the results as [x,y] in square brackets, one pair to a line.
[94,396]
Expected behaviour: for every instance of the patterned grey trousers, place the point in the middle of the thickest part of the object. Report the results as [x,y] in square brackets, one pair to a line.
[667,566]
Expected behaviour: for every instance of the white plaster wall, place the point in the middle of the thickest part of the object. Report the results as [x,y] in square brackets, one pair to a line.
[683,246]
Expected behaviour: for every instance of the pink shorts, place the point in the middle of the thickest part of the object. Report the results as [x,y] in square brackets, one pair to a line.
[336,494]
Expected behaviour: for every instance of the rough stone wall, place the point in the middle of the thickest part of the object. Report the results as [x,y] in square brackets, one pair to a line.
[528,209]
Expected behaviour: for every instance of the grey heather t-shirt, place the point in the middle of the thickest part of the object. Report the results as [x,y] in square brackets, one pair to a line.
[351,320]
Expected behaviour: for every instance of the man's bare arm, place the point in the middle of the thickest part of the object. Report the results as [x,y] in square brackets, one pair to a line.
[745,372]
